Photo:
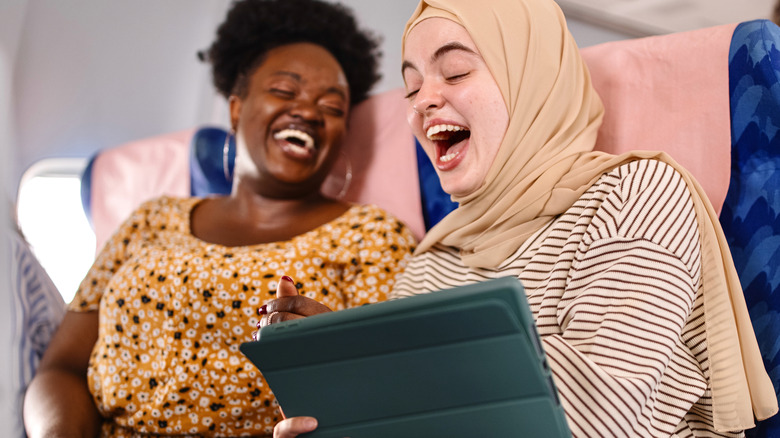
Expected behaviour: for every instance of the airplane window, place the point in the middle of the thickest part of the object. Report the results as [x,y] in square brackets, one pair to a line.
[52,219]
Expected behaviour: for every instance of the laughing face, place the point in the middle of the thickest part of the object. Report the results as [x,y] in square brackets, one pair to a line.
[455,108]
[291,123]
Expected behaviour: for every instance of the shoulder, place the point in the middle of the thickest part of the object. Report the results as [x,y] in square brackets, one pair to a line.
[645,200]
[167,206]
[165,212]
[639,176]
[645,185]
[372,217]
[369,226]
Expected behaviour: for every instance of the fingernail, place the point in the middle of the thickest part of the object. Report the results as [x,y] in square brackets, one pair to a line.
[263,310]
[287,278]
[254,336]
[259,323]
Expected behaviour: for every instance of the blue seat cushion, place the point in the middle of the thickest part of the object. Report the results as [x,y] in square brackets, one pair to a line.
[751,213]
[207,173]
[435,202]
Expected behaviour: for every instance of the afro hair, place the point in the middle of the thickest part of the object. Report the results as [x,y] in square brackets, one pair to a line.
[253,27]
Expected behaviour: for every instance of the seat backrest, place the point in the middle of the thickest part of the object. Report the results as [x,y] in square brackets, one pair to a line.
[669,93]
[212,155]
[711,99]
[120,178]
[751,212]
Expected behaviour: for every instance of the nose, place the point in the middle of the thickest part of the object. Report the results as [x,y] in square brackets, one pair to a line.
[308,111]
[428,97]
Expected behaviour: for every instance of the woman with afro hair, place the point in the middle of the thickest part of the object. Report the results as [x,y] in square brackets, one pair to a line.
[149,345]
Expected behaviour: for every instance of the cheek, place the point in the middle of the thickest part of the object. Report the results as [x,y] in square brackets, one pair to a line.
[415,122]
[493,119]
[412,118]
[496,127]
[254,116]
[337,131]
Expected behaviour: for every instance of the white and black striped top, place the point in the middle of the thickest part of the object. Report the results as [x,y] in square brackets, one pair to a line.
[615,286]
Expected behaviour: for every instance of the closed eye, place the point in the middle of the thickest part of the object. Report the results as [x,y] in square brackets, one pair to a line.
[457,77]
[333,110]
[286,94]
[411,94]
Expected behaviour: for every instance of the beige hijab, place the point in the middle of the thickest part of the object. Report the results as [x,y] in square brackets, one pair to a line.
[546,162]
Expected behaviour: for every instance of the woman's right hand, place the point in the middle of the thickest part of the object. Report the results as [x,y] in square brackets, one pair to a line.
[294,426]
[289,305]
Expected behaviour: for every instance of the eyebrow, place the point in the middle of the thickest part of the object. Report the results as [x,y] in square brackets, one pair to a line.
[441,51]
[295,76]
[298,78]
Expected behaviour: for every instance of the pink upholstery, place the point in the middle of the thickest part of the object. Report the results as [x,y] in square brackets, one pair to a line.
[381,148]
[125,176]
[671,93]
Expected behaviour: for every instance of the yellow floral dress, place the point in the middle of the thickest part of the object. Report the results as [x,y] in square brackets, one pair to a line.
[174,310]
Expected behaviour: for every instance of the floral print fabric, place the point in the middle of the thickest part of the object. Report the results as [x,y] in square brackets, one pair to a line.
[174,310]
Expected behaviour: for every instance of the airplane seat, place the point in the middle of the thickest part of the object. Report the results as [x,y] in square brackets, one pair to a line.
[708,97]
[207,162]
[119,178]
[751,213]
[38,309]
[711,99]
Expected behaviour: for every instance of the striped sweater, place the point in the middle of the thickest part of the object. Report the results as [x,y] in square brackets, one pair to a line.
[615,287]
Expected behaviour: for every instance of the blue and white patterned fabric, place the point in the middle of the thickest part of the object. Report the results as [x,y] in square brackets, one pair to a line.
[751,212]
[38,310]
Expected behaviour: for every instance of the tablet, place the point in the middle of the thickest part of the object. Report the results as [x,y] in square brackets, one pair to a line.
[462,362]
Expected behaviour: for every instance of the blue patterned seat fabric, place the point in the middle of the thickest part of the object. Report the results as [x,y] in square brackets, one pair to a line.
[750,214]
[38,310]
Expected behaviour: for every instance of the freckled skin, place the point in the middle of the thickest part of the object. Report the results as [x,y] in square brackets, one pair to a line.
[455,88]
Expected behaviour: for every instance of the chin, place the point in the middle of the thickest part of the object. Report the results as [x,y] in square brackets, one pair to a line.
[458,189]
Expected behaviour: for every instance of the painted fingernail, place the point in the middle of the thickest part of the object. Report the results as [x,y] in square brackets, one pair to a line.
[259,323]
[263,310]
[254,336]
[287,278]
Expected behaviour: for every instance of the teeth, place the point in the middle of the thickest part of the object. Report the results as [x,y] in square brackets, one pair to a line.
[284,134]
[435,129]
[445,158]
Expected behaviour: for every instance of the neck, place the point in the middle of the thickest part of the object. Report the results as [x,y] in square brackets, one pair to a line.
[262,209]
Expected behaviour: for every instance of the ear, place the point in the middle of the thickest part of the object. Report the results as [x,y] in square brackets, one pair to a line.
[234,103]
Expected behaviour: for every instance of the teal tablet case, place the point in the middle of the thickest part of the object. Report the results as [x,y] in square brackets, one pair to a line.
[463,362]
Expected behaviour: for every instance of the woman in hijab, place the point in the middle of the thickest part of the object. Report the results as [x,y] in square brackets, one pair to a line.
[626,269]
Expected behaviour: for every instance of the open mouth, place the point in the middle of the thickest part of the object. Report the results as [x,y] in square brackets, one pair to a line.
[299,142]
[447,139]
